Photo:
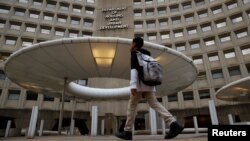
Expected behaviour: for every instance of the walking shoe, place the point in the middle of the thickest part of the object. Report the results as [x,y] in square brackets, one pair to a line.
[175,129]
[126,135]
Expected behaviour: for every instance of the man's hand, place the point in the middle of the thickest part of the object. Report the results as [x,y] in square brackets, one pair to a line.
[133,92]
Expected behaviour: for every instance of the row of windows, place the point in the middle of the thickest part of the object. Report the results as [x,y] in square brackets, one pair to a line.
[35,13]
[203,94]
[207,41]
[218,23]
[189,4]
[59,18]
[51,3]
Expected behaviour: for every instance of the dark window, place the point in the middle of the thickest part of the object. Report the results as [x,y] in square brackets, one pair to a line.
[248,68]
[31,95]
[14,94]
[48,98]
[216,74]
[204,94]
[2,75]
[188,96]
[172,98]
[234,71]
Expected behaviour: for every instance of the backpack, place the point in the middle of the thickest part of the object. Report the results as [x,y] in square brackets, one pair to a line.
[152,73]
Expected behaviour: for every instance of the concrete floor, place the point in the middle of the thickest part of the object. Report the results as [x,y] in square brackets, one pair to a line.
[181,137]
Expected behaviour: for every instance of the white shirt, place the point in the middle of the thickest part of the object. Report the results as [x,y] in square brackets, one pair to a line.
[139,86]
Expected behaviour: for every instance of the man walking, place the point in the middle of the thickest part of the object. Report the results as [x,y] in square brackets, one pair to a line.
[139,91]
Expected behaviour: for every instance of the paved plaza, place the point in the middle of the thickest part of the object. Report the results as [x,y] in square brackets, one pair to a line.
[182,137]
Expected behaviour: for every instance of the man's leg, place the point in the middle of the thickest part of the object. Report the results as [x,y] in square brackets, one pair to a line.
[175,127]
[131,114]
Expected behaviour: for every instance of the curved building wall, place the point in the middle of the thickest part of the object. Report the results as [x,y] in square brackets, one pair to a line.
[214,33]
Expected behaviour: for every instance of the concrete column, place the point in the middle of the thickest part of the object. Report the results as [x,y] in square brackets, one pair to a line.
[7,129]
[146,121]
[152,120]
[196,125]
[41,128]
[212,111]
[94,121]
[72,123]
[62,109]
[163,126]
[33,121]
[133,129]
[230,118]
[102,127]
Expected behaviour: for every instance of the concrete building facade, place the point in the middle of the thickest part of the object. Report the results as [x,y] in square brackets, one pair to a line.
[214,33]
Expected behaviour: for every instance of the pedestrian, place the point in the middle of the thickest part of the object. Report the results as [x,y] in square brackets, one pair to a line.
[139,91]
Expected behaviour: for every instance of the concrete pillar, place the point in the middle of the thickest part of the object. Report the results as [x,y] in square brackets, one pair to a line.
[62,108]
[195,125]
[7,129]
[102,127]
[94,121]
[213,113]
[163,126]
[230,118]
[152,120]
[41,128]
[33,121]
[72,126]
[133,129]
[146,116]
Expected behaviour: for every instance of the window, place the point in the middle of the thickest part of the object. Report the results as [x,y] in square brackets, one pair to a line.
[51,4]
[149,12]
[187,5]
[48,98]
[2,74]
[189,17]
[165,35]
[216,74]
[59,32]
[229,54]
[209,42]
[246,1]
[75,21]
[89,10]
[30,28]
[213,57]
[217,10]
[90,1]
[77,9]
[221,24]
[45,29]
[201,76]
[178,33]
[202,14]
[162,10]
[15,25]
[192,30]
[149,1]
[137,2]
[174,8]
[199,2]
[64,6]
[163,22]
[62,19]
[188,96]
[233,71]
[88,22]
[73,33]
[13,94]
[232,4]
[4,56]
[2,24]
[23,1]
[180,47]
[248,68]
[241,33]
[26,42]
[10,41]
[37,2]
[172,98]
[236,18]
[151,24]
[197,60]
[19,12]
[48,16]
[176,20]
[160,1]
[139,25]
[204,94]
[225,38]
[206,27]
[137,13]
[30,95]
[152,36]
[34,14]
[194,44]
[4,9]
[86,34]
[245,49]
